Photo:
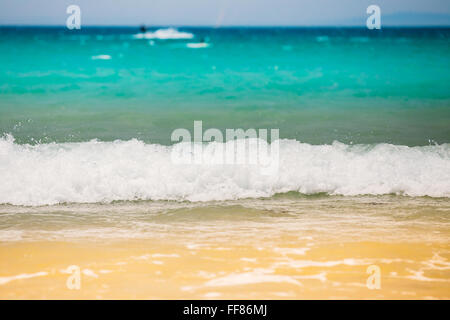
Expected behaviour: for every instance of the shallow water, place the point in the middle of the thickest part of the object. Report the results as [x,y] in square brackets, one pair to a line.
[316,85]
[326,217]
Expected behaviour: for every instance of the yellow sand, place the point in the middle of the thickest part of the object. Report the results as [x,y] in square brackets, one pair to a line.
[157,269]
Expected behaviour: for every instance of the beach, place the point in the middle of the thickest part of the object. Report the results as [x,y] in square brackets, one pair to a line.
[355,204]
[289,248]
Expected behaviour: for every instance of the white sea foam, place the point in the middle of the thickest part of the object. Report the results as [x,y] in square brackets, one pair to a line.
[128,170]
[198,45]
[299,264]
[164,34]
[90,273]
[101,57]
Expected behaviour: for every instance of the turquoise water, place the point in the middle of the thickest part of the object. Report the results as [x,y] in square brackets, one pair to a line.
[86,116]
[316,85]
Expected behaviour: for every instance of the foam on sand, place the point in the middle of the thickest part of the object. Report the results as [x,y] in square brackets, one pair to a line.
[5,280]
[255,276]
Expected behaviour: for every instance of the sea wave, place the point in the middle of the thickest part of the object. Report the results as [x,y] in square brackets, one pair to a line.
[95,171]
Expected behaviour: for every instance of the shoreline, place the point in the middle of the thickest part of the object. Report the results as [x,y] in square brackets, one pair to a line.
[285,247]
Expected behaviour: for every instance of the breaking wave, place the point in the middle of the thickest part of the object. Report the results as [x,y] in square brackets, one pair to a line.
[94,171]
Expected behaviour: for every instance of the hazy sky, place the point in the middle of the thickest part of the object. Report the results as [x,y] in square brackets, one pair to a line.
[211,12]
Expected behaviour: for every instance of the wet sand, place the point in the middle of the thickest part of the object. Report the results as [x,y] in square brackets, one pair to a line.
[232,251]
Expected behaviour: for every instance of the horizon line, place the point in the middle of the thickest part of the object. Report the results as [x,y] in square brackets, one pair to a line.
[226,26]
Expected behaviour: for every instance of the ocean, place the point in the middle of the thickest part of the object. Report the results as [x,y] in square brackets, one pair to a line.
[363,173]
